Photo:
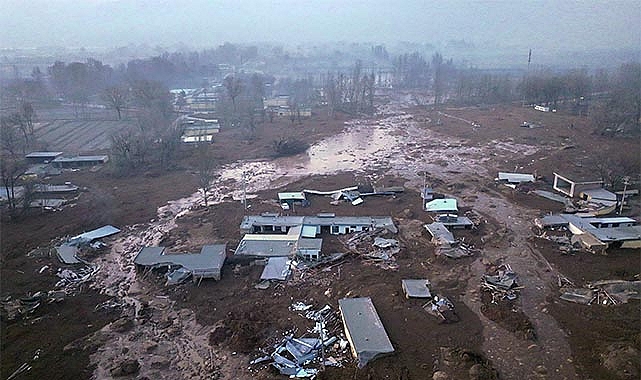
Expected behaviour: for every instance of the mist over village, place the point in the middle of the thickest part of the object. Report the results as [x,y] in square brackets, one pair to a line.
[326,190]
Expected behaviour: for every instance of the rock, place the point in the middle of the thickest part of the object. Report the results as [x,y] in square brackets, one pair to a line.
[127,367]
[540,369]
[440,375]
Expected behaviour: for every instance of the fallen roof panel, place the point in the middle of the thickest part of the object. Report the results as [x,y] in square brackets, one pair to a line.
[364,329]
[515,177]
[277,268]
[440,233]
[67,254]
[416,288]
[96,234]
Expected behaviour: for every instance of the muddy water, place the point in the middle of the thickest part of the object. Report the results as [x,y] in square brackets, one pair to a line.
[393,143]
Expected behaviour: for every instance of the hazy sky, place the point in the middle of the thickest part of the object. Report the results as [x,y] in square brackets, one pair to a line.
[548,24]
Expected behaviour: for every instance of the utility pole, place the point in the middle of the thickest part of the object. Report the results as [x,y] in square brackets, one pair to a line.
[625,187]
[244,191]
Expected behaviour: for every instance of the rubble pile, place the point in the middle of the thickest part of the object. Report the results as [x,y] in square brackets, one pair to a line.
[503,284]
[373,248]
[606,292]
[442,308]
[304,356]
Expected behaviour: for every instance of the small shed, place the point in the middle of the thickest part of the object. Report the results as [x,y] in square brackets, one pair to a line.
[364,330]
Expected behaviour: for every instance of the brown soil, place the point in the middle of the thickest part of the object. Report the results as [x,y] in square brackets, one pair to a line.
[244,319]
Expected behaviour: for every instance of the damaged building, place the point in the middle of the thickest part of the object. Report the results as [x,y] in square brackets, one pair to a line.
[596,234]
[207,263]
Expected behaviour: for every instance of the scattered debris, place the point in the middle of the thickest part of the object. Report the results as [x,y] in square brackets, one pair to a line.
[205,264]
[606,292]
[374,248]
[442,308]
[503,284]
[447,245]
[302,357]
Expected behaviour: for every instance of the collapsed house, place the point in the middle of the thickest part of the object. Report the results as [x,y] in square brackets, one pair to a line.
[273,237]
[354,195]
[364,330]
[572,188]
[207,263]
[596,234]
[67,252]
[445,242]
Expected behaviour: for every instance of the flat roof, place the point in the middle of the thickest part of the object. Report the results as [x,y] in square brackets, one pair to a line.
[210,257]
[98,233]
[305,243]
[291,196]
[416,288]
[266,247]
[81,159]
[43,154]
[440,205]
[515,177]
[364,329]
[440,232]
[329,220]
[608,234]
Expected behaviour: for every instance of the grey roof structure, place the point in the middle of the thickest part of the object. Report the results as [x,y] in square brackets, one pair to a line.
[318,220]
[67,254]
[416,288]
[364,330]
[277,268]
[44,154]
[440,233]
[81,159]
[515,177]
[206,264]
[267,245]
[94,234]
[601,228]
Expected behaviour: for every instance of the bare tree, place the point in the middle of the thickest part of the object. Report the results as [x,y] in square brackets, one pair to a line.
[206,167]
[234,87]
[116,98]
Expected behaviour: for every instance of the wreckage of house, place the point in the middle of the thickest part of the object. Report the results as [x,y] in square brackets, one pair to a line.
[205,264]
[364,330]
[596,234]
[572,188]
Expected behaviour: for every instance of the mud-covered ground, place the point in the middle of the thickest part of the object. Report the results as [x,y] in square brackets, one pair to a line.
[213,329]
